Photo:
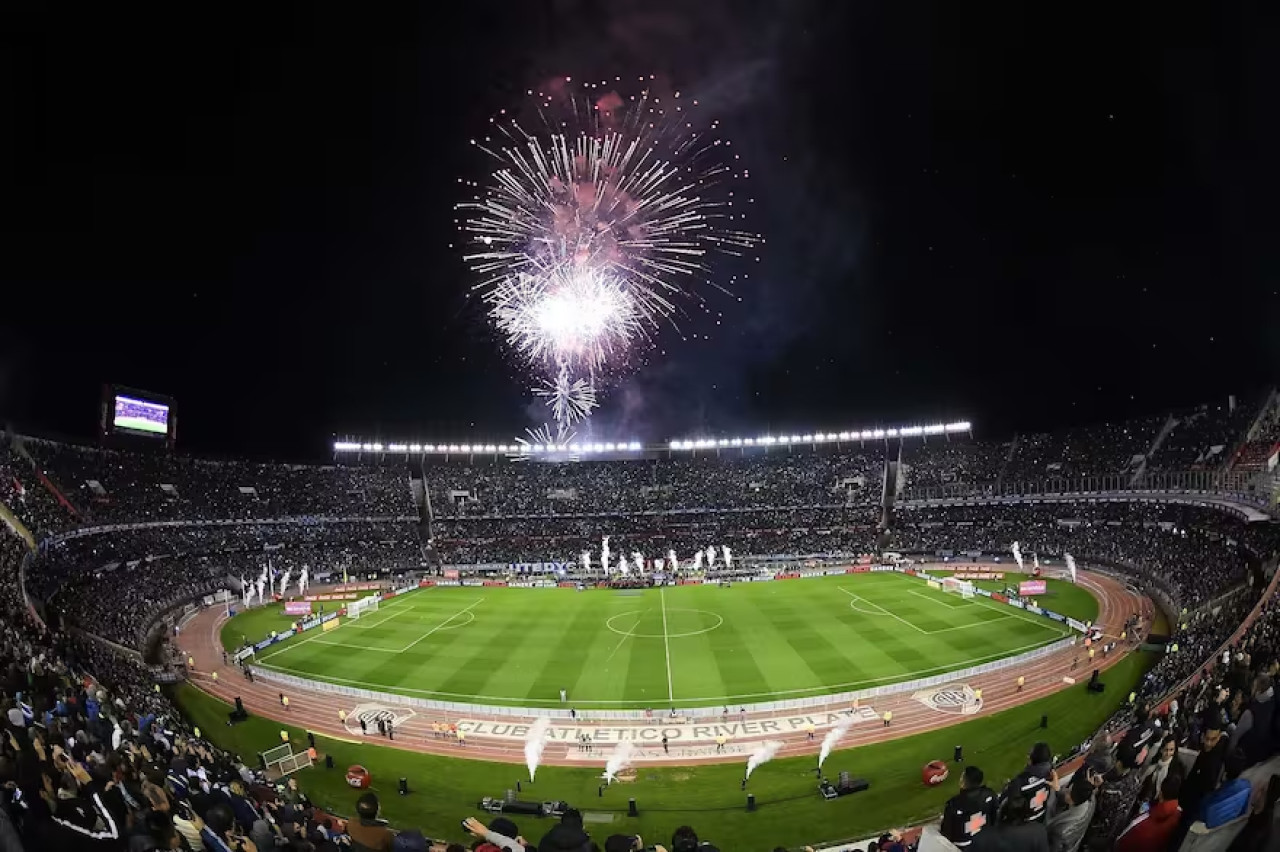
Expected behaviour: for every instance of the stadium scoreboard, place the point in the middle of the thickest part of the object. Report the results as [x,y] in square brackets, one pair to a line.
[135,416]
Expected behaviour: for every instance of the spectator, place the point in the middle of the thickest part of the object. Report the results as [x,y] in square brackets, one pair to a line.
[1036,783]
[567,835]
[1017,831]
[1231,799]
[369,833]
[1116,797]
[1253,733]
[969,811]
[1074,810]
[1154,828]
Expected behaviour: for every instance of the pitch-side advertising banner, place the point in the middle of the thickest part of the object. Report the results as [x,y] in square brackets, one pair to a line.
[297,608]
[1031,587]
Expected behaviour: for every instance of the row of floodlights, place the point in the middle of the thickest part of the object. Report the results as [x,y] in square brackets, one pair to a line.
[471,449]
[822,437]
[577,448]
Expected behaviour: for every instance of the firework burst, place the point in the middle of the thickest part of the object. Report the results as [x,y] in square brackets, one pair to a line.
[600,218]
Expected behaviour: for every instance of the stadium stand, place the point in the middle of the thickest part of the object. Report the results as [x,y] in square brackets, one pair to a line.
[105,565]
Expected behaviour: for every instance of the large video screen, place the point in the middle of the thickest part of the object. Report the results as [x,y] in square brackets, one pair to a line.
[139,415]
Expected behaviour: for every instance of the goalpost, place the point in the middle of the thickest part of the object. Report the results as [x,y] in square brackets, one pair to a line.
[963,588]
[355,609]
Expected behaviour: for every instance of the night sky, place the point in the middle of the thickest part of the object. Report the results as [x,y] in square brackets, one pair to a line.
[970,212]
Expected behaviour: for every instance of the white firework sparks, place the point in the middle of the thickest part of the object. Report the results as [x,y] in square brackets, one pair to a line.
[592,228]
[570,400]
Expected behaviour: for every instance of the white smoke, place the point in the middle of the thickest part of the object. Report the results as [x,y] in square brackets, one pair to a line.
[534,743]
[1017,555]
[765,753]
[1071,566]
[672,562]
[618,761]
[838,730]
[728,556]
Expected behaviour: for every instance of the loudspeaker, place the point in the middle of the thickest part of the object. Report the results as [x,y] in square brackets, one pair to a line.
[632,811]
[1097,686]
[751,801]
[328,761]
[1044,721]
[959,755]
[404,786]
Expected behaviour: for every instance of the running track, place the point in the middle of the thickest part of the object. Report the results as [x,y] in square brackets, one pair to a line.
[318,711]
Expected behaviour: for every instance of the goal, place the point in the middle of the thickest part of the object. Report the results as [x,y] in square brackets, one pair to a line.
[355,609]
[963,588]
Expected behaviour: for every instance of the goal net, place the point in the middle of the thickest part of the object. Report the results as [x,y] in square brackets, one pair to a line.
[963,588]
[355,609]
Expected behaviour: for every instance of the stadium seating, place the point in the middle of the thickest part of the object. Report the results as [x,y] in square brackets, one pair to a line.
[101,565]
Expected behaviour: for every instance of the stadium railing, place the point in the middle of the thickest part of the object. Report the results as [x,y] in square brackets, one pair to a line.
[841,700]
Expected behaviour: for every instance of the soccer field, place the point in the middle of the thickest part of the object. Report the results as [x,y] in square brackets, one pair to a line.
[678,646]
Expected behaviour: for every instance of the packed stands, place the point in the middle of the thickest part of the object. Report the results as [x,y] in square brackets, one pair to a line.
[1102,450]
[1204,437]
[105,569]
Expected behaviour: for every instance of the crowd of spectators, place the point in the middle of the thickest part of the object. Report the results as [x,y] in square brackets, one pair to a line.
[1107,449]
[109,486]
[732,479]
[1204,437]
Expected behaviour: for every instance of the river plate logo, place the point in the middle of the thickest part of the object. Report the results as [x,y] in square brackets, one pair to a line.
[957,699]
[370,714]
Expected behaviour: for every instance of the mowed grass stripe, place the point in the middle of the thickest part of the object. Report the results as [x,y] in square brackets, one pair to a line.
[804,621]
[780,639]
[762,632]
[646,677]
[728,661]
[561,666]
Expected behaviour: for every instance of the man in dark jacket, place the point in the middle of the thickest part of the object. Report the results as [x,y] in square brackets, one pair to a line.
[1207,770]
[1116,798]
[969,811]
[1253,733]
[1017,830]
[1036,782]
[568,836]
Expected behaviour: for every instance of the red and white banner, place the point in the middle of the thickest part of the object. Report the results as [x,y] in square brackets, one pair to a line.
[978,575]
[451,574]
[1032,587]
[297,608]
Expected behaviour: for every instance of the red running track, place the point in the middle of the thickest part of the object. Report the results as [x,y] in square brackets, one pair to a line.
[317,711]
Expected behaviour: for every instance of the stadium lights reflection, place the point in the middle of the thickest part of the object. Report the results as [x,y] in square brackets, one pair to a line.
[487,449]
[823,437]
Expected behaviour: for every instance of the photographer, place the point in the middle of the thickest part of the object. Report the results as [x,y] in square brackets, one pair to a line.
[502,833]
[218,835]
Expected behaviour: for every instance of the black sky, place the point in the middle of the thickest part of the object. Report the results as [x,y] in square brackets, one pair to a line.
[1010,212]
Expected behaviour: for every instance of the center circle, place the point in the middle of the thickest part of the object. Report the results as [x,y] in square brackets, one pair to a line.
[629,618]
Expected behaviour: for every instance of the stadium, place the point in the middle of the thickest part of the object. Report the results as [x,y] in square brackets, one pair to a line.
[775,638]
[639,426]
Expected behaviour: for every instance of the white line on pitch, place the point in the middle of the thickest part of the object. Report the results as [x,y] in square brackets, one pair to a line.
[666,642]
[882,609]
[396,614]
[628,635]
[975,624]
[936,601]
[440,625]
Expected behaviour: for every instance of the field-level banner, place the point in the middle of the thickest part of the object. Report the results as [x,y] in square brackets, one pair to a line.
[297,608]
[1032,587]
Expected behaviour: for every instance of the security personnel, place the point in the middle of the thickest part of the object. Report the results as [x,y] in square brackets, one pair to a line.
[969,811]
[1035,783]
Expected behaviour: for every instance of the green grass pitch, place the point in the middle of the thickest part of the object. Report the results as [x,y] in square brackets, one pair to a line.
[678,646]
